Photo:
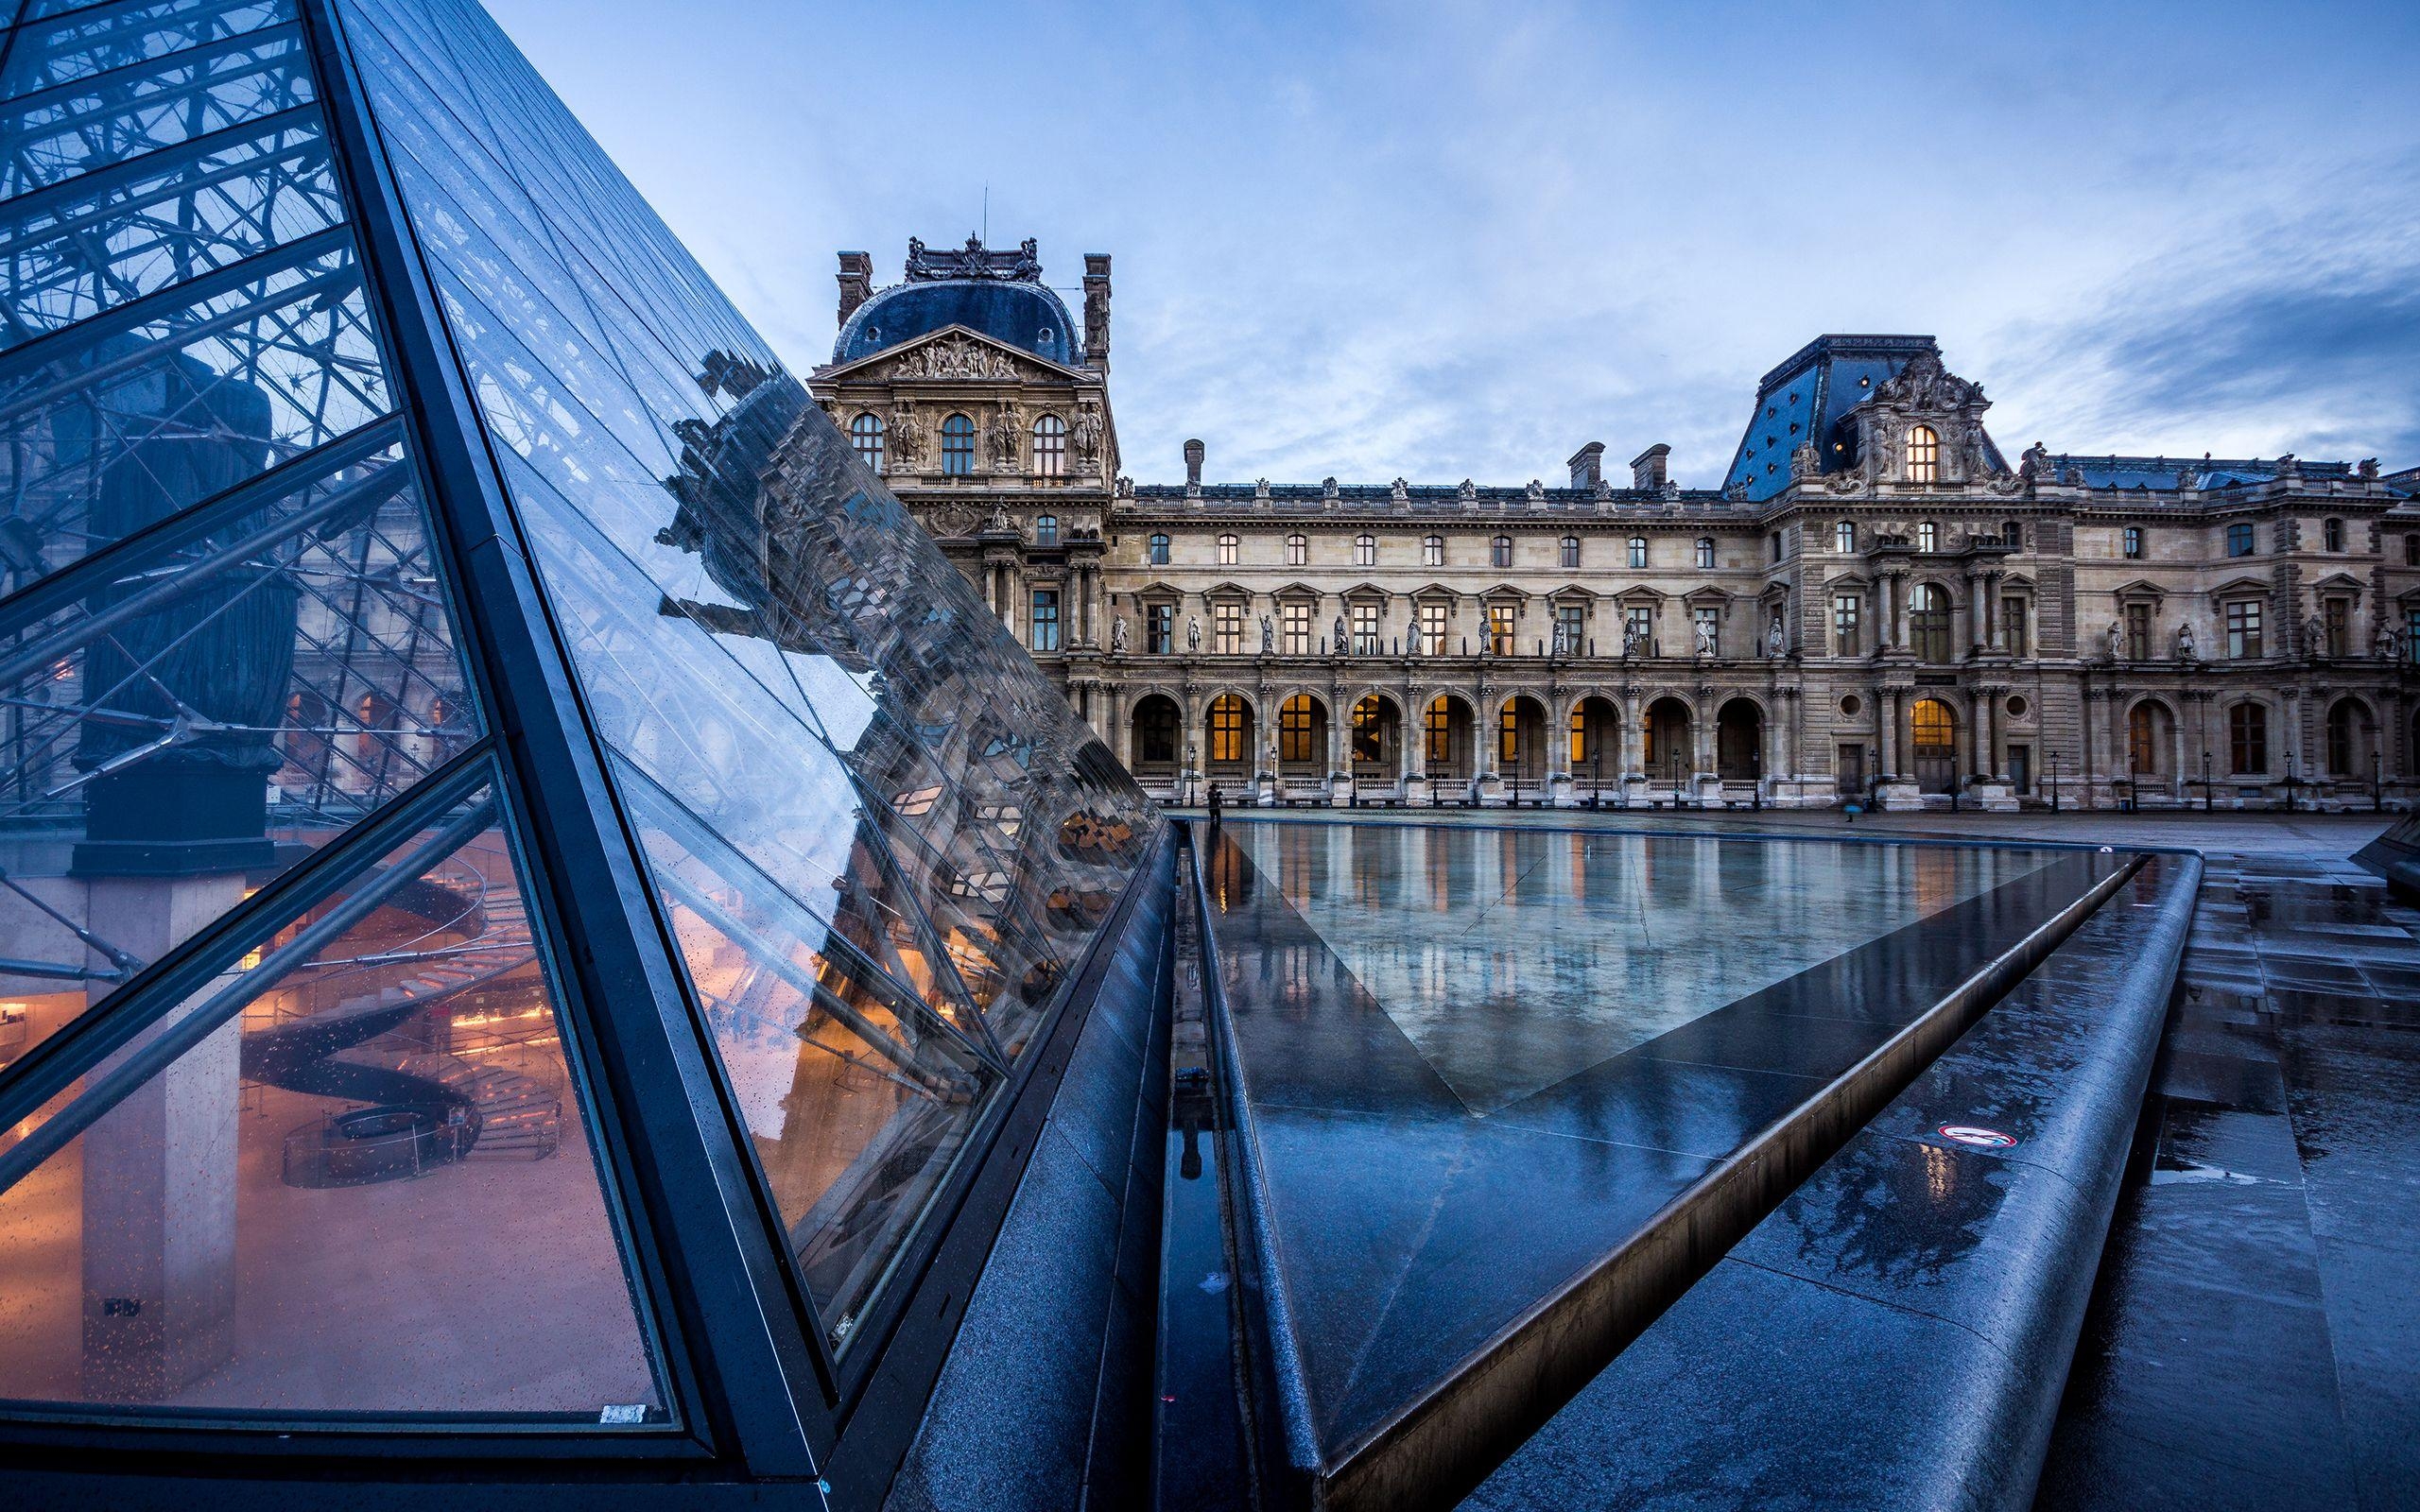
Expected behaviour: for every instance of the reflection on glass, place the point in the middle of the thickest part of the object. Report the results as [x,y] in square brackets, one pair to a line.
[350,1174]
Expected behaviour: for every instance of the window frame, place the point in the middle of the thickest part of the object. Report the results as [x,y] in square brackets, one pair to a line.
[1432,550]
[1499,551]
[1365,550]
[1297,550]
[1050,438]
[957,445]
[1924,455]
[1042,619]
[1638,559]
[1230,548]
[871,440]
[1155,551]
[1704,554]
[1568,553]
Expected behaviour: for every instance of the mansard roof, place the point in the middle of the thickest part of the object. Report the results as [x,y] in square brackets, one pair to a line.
[2160,472]
[1439,500]
[1806,396]
[997,293]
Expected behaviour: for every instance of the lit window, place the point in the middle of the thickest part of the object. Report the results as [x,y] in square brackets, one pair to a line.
[1432,551]
[1438,725]
[1294,730]
[1500,628]
[1044,622]
[2133,540]
[1294,626]
[1227,628]
[1227,730]
[1297,550]
[1046,530]
[1844,537]
[2244,631]
[1432,630]
[1365,551]
[1499,552]
[1927,537]
[1226,551]
[1571,551]
[2239,539]
[1365,629]
[2248,739]
[1638,551]
[2333,535]
[1050,447]
[1159,550]
[1508,734]
[958,446]
[1924,455]
[1705,552]
[865,434]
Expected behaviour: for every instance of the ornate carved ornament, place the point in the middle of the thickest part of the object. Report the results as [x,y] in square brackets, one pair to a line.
[974,261]
[954,356]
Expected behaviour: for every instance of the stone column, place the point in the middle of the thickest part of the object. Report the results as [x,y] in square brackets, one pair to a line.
[1991,609]
[1975,614]
[1632,736]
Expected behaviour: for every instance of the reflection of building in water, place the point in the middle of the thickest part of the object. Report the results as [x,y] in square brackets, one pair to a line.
[1876,603]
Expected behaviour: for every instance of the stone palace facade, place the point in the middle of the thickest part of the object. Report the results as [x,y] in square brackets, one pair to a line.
[1875,605]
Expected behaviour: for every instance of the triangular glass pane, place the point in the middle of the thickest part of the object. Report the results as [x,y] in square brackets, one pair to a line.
[211,708]
[353,1175]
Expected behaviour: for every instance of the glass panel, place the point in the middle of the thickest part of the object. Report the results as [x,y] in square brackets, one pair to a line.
[351,1174]
[857,1096]
[117,426]
[81,98]
[209,709]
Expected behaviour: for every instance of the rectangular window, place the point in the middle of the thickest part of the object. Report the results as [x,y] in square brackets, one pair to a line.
[1927,537]
[1296,619]
[1365,629]
[1572,619]
[1044,625]
[1845,538]
[1432,551]
[2239,539]
[1159,628]
[2338,626]
[2133,540]
[1438,725]
[1432,630]
[1638,630]
[1638,551]
[1046,530]
[2244,631]
[1226,551]
[1846,609]
[2139,632]
[1500,628]
[2017,634]
[1294,730]
[1298,551]
[1708,622]
[1227,628]
[1365,551]
[1571,551]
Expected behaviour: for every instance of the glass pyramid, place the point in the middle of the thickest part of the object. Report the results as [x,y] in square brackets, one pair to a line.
[525,881]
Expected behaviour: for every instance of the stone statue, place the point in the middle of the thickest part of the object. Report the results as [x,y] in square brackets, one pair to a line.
[1411,638]
[1804,461]
[2116,642]
[906,437]
[1634,637]
[1559,648]
[1000,520]
[1340,635]
[2382,639]
[2187,478]
[1007,426]
[2186,651]
[1193,632]
[1706,637]
[2314,637]
[1117,635]
[1776,639]
[1087,433]
[1268,636]
[1399,492]
[2367,469]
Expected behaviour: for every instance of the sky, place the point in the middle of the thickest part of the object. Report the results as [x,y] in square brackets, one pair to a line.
[1446,241]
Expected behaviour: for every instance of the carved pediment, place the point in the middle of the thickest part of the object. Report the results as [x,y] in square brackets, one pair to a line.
[955,353]
[2340,582]
[2140,588]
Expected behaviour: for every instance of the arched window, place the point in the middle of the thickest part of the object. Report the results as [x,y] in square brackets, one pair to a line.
[1297,550]
[1156,725]
[2248,739]
[1159,549]
[865,434]
[1638,551]
[1706,551]
[1929,622]
[1499,552]
[1227,551]
[1924,455]
[1049,447]
[2333,534]
[1046,530]
[1432,551]
[1365,551]
[1844,537]
[1927,537]
[1227,730]
[958,446]
[1571,551]
[2133,540]
[1294,729]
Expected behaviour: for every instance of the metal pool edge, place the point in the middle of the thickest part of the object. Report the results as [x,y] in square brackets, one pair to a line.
[1438,1447]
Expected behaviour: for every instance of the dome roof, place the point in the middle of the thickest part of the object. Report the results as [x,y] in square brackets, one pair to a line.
[1000,293]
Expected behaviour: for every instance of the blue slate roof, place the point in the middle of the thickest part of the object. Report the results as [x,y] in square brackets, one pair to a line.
[1807,395]
[1024,315]
[2150,473]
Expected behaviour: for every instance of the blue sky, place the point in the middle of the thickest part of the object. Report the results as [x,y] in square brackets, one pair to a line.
[1450,241]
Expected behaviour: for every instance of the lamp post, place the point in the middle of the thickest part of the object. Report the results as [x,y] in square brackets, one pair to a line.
[2377,789]
[2205,782]
[2054,782]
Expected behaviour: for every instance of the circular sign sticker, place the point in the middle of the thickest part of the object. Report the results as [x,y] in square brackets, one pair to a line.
[1981,1138]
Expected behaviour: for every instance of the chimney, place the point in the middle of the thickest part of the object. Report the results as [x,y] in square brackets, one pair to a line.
[856,282]
[1588,465]
[1193,452]
[1647,468]
[1096,310]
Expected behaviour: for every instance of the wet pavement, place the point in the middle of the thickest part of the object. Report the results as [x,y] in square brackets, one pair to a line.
[1445,1138]
[2255,1335]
